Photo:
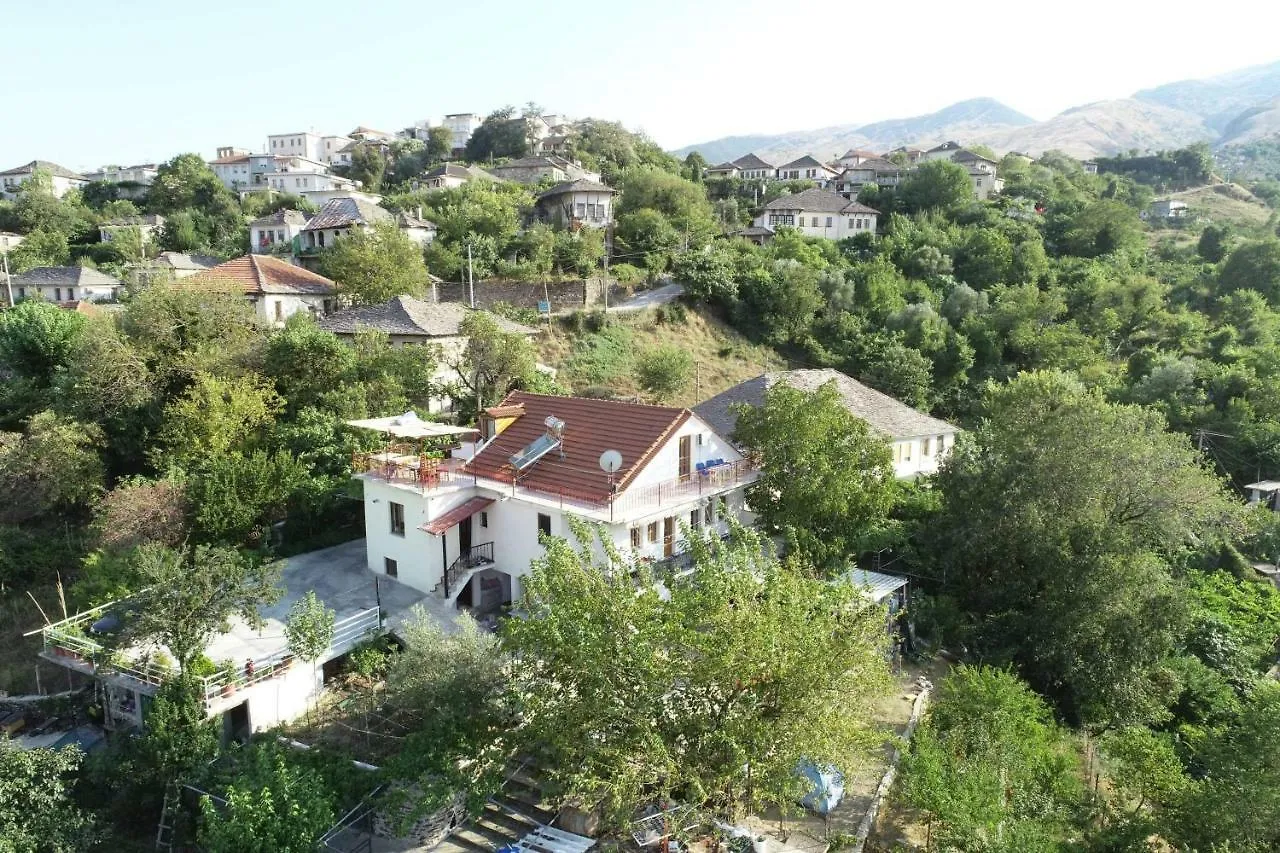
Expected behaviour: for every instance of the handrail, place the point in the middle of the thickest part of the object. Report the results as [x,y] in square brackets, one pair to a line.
[476,555]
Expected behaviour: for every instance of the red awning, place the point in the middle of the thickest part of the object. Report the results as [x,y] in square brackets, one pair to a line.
[464,510]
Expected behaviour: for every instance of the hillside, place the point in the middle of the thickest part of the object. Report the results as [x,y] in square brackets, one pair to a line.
[1218,100]
[1257,122]
[1104,127]
[587,359]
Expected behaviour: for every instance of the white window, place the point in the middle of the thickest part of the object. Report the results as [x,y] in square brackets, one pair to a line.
[851,225]
[397,510]
[828,221]
[927,449]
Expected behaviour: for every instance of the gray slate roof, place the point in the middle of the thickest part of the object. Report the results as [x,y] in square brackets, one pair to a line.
[751,161]
[406,315]
[964,155]
[885,415]
[77,276]
[182,261]
[820,201]
[344,212]
[805,162]
[582,185]
[877,165]
[44,165]
[281,217]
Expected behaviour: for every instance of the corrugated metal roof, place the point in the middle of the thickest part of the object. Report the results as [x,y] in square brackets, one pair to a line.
[876,585]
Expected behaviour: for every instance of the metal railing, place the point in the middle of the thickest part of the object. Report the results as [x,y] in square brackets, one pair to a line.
[426,473]
[472,558]
[66,640]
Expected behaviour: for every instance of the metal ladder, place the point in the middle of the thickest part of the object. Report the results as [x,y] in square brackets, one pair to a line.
[168,817]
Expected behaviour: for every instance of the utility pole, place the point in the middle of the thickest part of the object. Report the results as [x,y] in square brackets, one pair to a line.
[471,276]
[605,283]
[8,282]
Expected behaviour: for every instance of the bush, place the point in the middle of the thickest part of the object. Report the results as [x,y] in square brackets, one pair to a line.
[627,274]
[601,357]
[516,313]
[596,321]
[664,371]
[673,314]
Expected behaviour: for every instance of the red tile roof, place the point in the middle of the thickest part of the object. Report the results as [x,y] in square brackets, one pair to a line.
[466,509]
[591,427]
[259,274]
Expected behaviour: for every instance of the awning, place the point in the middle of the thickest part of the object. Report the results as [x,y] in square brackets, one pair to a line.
[464,510]
[876,585]
[409,425]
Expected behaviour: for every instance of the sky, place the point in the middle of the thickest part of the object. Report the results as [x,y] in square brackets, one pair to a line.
[132,81]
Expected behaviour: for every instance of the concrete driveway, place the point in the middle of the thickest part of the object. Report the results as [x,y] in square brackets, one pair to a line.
[650,298]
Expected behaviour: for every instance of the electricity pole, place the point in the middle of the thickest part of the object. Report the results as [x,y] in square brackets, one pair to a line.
[471,276]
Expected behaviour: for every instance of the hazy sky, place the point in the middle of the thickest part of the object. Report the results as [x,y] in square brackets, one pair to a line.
[127,81]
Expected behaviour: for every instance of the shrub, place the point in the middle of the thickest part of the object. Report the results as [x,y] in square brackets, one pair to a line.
[627,274]
[664,371]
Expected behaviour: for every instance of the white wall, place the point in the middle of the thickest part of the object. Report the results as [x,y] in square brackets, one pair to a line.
[289,304]
[309,145]
[60,293]
[911,460]
[842,224]
[664,465]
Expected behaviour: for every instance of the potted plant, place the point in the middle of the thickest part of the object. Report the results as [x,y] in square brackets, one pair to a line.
[759,844]
[231,673]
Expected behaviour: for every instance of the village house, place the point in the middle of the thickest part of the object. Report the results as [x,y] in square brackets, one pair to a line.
[62,285]
[303,144]
[945,151]
[231,165]
[853,157]
[874,170]
[10,241]
[276,232]
[1166,208]
[580,202]
[410,321]
[147,227]
[461,126]
[131,182]
[806,169]
[911,155]
[368,134]
[466,527]
[447,176]
[419,230]
[748,167]
[1089,166]
[336,218]
[819,213]
[176,265]
[918,441]
[546,167]
[61,179]
[274,287]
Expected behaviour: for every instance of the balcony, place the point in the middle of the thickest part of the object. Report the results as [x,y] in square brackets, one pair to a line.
[400,465]
[67,643]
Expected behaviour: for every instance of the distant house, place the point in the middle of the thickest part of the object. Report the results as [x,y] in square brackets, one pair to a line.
[407,320]
[331,145]
[1167,208]
[752,168]
[419,230]
[757,234]
[461,126]
[231,165]
[580,202]
[912,155]
[276,288]
[874,170]
[176,265]
[819,213]
[131,181]
[1089,166]
[449,175]
[854,157]
[722,170]
[336,218]
[147,226]
[805,169]
[65,285]
[62,179]
[368,134]
[919,442]
[277,231]
[10,241]
[1026,159]
[945,151]
[547,167]
[301,144]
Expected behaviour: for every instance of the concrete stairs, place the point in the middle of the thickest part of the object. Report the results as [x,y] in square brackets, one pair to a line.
[511,815]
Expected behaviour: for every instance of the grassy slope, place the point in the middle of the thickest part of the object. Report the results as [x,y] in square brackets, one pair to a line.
[584,359]
[1226,203]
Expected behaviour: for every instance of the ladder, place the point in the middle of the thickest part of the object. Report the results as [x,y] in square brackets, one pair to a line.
[168,817]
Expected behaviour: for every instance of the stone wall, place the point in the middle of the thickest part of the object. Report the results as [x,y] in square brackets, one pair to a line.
[428,830]
[564,295]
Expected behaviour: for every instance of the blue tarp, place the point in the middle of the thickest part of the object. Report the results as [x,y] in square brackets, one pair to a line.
[827,787]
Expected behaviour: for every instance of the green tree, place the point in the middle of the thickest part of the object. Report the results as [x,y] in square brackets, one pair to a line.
[706,276]
[1253,265]
[309,628]
[272,806]
[502,134]
[215,416]
[631,694]
[40,248]
[682,202]
[1103,227]
[1213,243]
[368,165]
[37,811]
[1062,516]
[664,371]
[190,594]
[236,497]
[371,267]
[493,360]
[306,363]
[53,467]
[37,339]
[991,770]
[936,185]
[779,303]
[826,481]
[439,145]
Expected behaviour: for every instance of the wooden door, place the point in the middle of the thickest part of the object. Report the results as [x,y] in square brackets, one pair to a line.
[464,536]
[668,535]
[686,456]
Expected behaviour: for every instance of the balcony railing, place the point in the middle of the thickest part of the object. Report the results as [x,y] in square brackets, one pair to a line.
[67,642]
[472,558]
[424,472]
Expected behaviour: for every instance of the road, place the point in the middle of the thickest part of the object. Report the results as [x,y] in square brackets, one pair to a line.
[650,298]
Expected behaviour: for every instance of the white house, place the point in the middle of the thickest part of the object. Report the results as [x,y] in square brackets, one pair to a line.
[299,175]
[62,179]
[819,213]
[447,176]
[805,169]
[918,441]
[419,230]
[945,151]
[10,241]
[465,528]
[873,170]
[65,284]
[1166,208]
[330,146]
[276,288]
[175,265]
[409,321]
[336,218]
[854,157]
[131,181]
[147,227]
[368,134]
[276,231]
[308,145]
[231,165]
[581,202]
[461,125]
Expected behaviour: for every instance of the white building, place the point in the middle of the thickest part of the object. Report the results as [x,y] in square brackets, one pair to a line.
[819,213]
[466,528]
[274,287]
[308,145]
[1166,208]
[580,202]
[131,181]
[276,232]
[337,218]
[330,146]
[854,157]
[65,284]
[231,165]
[147,227]
[461,125]
[806,169]
[945,151]
[919,442]
[874,170]
[61,179]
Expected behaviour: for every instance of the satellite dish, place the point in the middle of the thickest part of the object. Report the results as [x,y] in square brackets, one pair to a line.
[611,461]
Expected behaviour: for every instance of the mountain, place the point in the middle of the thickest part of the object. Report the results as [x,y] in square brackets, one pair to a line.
[960,120]
[1218,100]
[1230,109]
[1103,128]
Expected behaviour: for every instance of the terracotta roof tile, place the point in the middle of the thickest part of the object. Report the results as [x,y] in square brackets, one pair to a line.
[258,274]
[591,427]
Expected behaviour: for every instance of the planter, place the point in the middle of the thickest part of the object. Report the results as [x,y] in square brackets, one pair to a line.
[759,844]
[228,690]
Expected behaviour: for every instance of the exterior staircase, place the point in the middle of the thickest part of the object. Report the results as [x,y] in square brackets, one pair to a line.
[515,812]
[460,570]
